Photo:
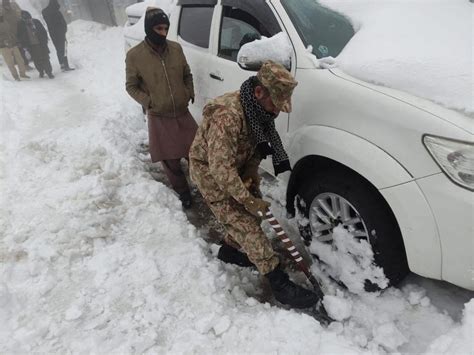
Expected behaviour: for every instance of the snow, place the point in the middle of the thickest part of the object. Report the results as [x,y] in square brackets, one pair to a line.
[338,308]
[277,48]
[139,8]
[33,7]
[98,257]
[349,261]
[407,316]
[460,340]
[398,44]
[417,46]
[137,30]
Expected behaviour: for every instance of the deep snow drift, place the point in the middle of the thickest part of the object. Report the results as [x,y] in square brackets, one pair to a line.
[96,256]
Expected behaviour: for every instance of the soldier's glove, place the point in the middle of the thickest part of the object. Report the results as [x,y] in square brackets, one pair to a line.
[256,206]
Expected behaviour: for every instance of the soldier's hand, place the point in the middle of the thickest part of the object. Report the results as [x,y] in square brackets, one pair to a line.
[256,206]
[252,174]
[251,180]
[253,188]
[255,191]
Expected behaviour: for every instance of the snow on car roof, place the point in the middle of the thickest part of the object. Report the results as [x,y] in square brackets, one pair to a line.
[138,9]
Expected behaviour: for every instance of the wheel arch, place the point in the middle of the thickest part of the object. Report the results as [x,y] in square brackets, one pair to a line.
[316,148]
[313,148]
[310,164]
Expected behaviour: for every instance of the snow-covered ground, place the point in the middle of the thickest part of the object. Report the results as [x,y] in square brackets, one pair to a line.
[97,256]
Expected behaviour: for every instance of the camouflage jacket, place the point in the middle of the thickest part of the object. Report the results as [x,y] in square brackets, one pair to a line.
[222,150]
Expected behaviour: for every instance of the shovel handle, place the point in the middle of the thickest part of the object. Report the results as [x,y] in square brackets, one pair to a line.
[290,247]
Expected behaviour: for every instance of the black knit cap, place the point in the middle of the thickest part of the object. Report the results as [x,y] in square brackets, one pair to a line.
[155,16]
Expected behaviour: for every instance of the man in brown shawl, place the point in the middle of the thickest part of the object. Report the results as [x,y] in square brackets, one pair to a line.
[159,79]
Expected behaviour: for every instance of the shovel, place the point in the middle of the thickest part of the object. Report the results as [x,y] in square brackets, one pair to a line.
[320,312]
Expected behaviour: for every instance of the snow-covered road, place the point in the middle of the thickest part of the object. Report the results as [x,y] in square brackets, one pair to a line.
[97,256]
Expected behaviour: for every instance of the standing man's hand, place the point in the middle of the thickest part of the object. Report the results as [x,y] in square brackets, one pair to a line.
[256,206]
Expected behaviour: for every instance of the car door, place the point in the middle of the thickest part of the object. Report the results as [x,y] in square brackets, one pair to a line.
[239,22]
[194,34]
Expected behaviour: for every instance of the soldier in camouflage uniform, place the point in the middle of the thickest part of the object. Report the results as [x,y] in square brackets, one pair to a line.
[236,133]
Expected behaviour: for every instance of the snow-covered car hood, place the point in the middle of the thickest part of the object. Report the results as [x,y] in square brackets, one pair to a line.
[462,120]
[419,47]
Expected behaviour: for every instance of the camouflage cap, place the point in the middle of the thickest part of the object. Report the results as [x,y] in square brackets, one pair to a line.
[279,82]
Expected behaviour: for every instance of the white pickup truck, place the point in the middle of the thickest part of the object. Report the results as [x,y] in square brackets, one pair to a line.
[393,169]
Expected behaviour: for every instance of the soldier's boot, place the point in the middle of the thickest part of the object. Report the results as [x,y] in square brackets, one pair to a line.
[186,199]
[231,255]
[289,293]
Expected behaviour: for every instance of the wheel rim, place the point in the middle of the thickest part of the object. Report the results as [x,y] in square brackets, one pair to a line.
[329,210]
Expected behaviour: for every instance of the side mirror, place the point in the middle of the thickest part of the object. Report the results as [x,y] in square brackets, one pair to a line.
[278,48]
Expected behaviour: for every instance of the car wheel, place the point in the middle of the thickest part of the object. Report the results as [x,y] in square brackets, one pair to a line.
[340,197]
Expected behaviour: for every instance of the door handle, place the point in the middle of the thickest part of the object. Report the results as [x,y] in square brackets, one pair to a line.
[215,76]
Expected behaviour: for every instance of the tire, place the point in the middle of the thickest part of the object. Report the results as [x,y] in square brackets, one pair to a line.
[378,224]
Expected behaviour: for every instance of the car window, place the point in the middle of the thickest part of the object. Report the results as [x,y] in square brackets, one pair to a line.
[325,30]
[238,27]
[195,24]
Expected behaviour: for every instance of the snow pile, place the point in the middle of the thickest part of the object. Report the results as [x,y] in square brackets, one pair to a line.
[338,308]
[349,260]
[278,48]
[389,336]
[96,256]
[459,340]
[418,46]
[395,320]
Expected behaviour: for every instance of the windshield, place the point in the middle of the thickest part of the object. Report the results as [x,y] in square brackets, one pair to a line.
[325,30]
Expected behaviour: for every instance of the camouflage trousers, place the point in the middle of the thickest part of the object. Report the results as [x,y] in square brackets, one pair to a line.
[244,231]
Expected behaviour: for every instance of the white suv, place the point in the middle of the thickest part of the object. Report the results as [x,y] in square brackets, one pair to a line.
[390,167]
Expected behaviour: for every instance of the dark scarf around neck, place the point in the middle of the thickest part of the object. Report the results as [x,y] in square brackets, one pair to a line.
[262,126]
